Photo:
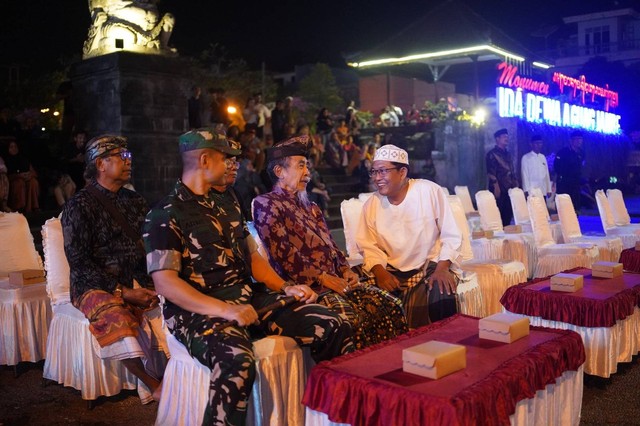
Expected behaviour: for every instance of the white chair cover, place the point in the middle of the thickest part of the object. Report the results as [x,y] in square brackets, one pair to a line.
[489,213]
[494,276]
[70,359]
[609,247]
[351,211]
[556,228]
[17,251]
[618,209]
[519,207]
[446,190]
[275,396]
[552,257]
[25,312]
[629,234]
[465,197]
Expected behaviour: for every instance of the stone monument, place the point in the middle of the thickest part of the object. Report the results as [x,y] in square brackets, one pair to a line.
[135,88]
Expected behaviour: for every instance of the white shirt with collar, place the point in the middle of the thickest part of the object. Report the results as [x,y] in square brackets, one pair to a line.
[405,236]
[535,173]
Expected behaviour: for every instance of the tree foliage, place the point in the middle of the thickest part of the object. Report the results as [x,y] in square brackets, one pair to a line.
[319,89]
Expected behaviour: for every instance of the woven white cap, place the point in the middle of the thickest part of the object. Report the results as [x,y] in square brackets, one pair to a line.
[391,153]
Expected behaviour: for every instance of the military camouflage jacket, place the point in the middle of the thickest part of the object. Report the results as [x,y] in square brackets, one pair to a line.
[203,240]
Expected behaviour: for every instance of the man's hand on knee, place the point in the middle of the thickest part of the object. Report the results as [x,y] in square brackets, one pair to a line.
[244,315]
[140,297]
[385,279]
[444,278]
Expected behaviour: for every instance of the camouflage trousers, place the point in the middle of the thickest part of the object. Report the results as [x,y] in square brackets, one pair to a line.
[230,357]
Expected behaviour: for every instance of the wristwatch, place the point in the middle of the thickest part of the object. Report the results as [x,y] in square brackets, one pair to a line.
[285,285]
[118,291]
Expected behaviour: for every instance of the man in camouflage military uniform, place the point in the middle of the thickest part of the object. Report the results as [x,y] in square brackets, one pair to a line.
[201,258]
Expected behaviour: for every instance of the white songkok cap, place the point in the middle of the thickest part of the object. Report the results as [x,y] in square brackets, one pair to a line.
[391,153]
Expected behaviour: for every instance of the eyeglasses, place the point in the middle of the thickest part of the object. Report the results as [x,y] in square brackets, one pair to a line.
[381,172]
[124,155]
[231,162]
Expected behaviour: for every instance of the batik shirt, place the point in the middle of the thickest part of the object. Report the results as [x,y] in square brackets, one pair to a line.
[500,169]
[100,253]
[297,237]
[205,241]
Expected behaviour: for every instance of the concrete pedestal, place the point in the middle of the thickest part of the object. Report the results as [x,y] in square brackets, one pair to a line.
[142,97]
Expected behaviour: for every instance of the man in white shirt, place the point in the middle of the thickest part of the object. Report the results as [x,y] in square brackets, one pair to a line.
[409,239]
[534,169]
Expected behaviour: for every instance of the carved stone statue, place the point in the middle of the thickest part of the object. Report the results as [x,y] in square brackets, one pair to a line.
[132,25]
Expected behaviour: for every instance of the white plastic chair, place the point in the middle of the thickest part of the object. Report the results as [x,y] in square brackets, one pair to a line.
[494,276]
[553,257]
[629,234]
[618,209]
[556,228]
[520,247]
[275,397]
[351,210]
[519,207]
[446,190]
[71,360]
[25,312]
[608,247]
[473,217]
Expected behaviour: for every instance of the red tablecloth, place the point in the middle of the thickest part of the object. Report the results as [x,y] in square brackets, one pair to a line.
[630,259]
[600,303]
[369,387]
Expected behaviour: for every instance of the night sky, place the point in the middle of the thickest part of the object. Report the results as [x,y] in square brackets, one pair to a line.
[282,33]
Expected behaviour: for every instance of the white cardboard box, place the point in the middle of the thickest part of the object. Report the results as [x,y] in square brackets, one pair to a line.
[503,327]
[602,269]
[513,229]
[568,283]
[434,359]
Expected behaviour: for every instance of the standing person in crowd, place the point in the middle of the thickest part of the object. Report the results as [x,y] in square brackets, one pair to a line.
[350,116]
[264,115]
[102,227]
[410,239]
[202,258]
[4,188]
[24,189]
[249,113]
[534,169]
[278,121]
[324,124]
[501,175]
[75,157]
[301,248]
[194,108]
[218,107]
[568,168]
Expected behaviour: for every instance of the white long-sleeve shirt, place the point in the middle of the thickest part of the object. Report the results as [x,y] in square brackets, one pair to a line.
[535,173]
[405,236]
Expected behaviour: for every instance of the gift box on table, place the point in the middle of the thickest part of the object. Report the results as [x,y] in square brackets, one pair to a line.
[503,327]
[434,359]
[26,277]
[602,269]
[513,229]
[568,283]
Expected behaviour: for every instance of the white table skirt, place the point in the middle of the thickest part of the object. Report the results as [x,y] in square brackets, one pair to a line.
[605,347]
[556,404]
[25,315]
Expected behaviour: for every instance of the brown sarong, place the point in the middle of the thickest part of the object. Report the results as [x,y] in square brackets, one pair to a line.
[110,319]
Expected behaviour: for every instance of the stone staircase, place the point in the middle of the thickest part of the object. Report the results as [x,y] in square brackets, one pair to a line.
[341,187]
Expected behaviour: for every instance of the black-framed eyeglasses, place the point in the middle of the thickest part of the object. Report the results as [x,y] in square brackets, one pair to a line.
[381,172]
[124,155]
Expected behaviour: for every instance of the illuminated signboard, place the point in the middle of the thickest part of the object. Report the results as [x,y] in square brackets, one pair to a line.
[525,98]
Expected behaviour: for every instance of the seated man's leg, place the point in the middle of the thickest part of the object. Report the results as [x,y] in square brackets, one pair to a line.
[441,304]
[312,325]
[229,355]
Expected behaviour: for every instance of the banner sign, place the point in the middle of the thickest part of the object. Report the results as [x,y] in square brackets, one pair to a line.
[530,99]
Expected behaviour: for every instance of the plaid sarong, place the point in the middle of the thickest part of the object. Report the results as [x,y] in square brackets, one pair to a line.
[110,319]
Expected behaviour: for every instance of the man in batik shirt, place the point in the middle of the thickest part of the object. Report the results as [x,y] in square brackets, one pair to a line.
[301,248]
[501,174]
[201,258]
[109,282]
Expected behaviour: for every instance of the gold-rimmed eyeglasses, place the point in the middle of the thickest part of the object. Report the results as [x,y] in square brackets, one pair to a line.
[381,172]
